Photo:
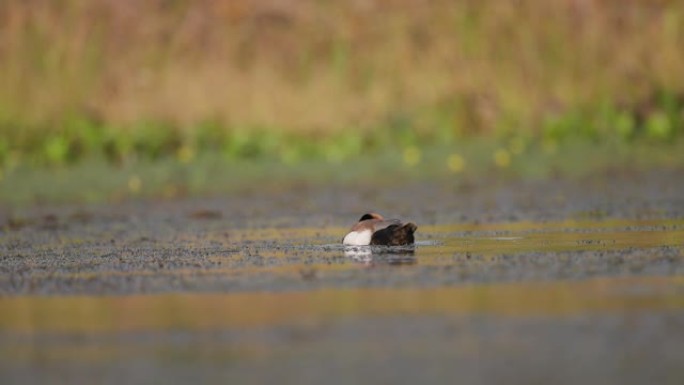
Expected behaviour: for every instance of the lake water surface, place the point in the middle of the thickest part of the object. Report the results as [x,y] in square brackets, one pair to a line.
[234,291]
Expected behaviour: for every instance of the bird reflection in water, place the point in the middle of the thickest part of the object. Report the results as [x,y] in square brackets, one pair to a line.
[381,255]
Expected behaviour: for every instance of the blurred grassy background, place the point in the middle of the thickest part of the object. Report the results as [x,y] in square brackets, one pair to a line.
[123,80]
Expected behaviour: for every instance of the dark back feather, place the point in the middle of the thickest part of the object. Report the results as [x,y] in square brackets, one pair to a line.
[395,235]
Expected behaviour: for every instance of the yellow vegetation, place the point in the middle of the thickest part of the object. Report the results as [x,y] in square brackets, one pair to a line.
[312,66]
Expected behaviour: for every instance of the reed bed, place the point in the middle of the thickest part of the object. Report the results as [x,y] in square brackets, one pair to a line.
[124,78]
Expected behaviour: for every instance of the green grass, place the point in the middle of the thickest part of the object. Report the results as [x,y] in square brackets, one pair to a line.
[216,172]
[78,139]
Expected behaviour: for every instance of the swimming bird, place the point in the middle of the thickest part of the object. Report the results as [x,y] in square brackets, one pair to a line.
[373,229]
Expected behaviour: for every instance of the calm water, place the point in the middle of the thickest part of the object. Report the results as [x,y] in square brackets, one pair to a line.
[594,301]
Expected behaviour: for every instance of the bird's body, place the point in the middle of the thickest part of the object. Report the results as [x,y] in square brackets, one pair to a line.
[373,229]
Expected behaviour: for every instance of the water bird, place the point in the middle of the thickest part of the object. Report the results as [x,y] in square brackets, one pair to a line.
[373,229]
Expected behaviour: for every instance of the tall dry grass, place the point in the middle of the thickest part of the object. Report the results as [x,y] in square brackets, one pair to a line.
[320,67]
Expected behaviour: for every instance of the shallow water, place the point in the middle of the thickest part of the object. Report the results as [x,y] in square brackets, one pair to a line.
[181,291]
[149,260]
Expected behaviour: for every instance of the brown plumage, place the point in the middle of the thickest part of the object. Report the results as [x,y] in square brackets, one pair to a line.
[373,229]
